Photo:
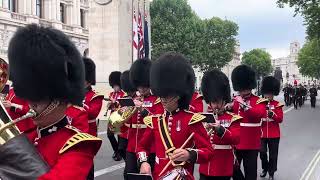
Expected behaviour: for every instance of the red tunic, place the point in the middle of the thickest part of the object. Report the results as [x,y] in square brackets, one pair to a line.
[180,126]
[196,104]
[93,105]
[250,126]
[270,126]
[221,163]
[15,113]
[68,152]
[78,117]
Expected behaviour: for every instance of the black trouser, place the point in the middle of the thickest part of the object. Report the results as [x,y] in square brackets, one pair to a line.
[203,177]
[287,99]
[270,145]
[122,147]
[113,140]
[249,158]
[132,163]
[295,102]
[300,100]
[91,174]
[313,101]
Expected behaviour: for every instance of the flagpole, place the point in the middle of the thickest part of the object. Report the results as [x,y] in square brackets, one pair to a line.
[132,9]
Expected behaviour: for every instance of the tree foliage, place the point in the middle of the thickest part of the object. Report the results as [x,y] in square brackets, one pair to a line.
[208,43]
[310,10]
[259,60]
[309,59]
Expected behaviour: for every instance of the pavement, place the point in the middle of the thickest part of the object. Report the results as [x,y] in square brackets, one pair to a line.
[299,151]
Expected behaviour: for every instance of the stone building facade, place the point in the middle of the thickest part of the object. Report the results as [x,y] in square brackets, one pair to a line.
[70,16]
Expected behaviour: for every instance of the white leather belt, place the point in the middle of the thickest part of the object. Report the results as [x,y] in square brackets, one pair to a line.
[92,121]
[136,126]
[267,119]
[218,146]
[250,124]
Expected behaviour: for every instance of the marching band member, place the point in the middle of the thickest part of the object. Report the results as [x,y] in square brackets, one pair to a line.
[252,109]
[46,69]
[180,137]
[226,129]
[114,82]
[92,101]
[147,103]
[270,126]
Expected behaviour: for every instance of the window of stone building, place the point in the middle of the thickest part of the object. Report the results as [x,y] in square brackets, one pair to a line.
[83,18]
[39,8]
[13,5]
[62,12]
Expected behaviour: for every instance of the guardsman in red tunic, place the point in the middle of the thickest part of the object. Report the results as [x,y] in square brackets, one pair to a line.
[252,109]
[114,82]
[270,127]
[147,103]
[17,107]
[50,76]
[196,104]
[180,138]
[224,132]
[92,101]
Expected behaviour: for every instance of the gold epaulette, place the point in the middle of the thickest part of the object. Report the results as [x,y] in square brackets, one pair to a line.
[97,95]
[158,100]
[78,107]
[148,121]
[261,100]
[235,117]
[76,139]
[279,105]
[196,118]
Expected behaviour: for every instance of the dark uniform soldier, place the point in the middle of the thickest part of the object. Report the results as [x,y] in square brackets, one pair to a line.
[270,127]
[46,69]
[313,95]
[180,137]
[286,93]
[296,95]
[252,109]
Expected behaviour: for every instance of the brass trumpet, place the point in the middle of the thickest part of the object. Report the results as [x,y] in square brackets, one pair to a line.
[119,117]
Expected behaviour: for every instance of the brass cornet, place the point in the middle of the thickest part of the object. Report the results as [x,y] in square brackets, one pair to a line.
[119,117]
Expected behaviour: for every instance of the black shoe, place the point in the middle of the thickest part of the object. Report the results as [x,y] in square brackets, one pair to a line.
[114,155]
[271,177]
[263,173]
[117,157]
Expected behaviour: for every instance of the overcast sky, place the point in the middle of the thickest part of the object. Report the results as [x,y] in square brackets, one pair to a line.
[261,23]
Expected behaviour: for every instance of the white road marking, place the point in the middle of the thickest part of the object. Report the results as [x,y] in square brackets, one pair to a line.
[109,169]
[308,171]
[121,165]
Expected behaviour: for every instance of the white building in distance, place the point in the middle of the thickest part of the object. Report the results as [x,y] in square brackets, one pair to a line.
[288,65]
[69,16]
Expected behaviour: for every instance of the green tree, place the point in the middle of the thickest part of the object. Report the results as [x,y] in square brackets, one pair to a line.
[310,10]
[173,24]
[259,60]
[216,43]
[309,59]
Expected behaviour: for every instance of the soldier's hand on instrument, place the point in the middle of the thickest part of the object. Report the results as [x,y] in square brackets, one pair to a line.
[229,106]
[6,104]
[145,168]
[180,155]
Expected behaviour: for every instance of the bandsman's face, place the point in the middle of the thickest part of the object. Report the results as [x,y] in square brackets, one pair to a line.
[170,103]
[116,88]
[218,105]
[144,91]
[268,96]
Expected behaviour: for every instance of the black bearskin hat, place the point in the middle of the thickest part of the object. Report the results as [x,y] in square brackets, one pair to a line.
[215,86]
[126,83]
[90,68]
[114,78]
[46,65]
[270,85]
[172,74]
[243,77]
[140,72]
